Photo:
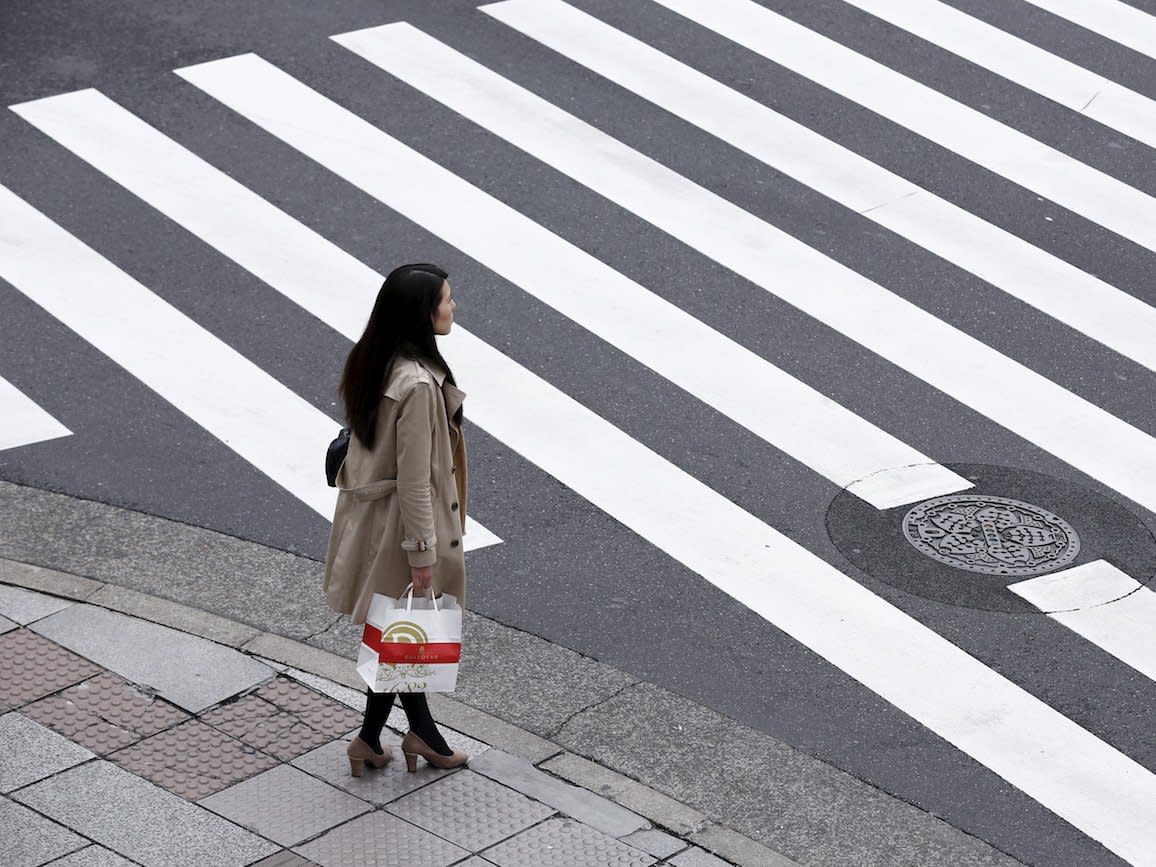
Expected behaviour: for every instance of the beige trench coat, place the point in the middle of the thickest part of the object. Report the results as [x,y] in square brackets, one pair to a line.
[403,502]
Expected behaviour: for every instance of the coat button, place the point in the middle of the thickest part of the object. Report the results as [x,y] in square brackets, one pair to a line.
[454,543]
[453,507]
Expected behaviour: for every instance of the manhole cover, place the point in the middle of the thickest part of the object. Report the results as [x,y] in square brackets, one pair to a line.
[992,535]
[966,548]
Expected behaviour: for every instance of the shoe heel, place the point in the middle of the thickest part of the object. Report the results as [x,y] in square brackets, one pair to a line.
[356,766]
[411,762]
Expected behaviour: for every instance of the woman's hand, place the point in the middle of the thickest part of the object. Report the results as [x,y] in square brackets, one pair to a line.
[421,577]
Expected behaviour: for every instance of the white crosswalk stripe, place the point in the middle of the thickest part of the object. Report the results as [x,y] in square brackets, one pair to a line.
[1077,298]
[1072,767]
[1106,606]
[1015,59]
[811,428]
[283,252]
[991,383]
[24,421]
[232,398]
[1110,18]
[938,118]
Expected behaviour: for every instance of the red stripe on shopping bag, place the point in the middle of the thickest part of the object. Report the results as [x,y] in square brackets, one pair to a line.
[397,652]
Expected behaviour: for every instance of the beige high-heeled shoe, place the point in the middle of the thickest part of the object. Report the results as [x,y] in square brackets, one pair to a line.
[412,746]
[360,752]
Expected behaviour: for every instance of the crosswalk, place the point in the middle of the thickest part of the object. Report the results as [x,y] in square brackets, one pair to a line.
[1069,768]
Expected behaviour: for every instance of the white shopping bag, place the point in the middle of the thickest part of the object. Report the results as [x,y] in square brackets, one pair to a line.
[411,645]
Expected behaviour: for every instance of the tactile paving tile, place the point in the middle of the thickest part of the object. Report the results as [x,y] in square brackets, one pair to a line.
[35,667]
[470,810]
[192,760]
[564,843]
[285,805]
[320,711]
[105,713]
[262,725]
[381,840]
[376,785]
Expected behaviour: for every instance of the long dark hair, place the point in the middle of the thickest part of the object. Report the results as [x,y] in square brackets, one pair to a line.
[401,324]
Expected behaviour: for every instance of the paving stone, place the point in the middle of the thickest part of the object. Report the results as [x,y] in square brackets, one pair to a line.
[564,843]
[265,727]
[35,667]
[104,713]
[475,861]
[352,698]
[284,858]
[7,625]
[33,752]
[30,839]
[93,856]
[145,823]
[376,785]
[657,843]
[381,840]
[192,760]
[596,811]
[696,857]
[286,805]
[26,606]
[657,807]
[320,711]
[191,672]
[469,810]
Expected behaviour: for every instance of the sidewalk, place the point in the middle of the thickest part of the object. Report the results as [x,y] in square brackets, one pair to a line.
[574,725]
[127,741]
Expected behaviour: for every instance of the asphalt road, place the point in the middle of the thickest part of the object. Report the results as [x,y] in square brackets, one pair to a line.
[644,564]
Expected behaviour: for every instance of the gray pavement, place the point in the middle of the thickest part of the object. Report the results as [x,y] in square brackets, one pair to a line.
[570,755]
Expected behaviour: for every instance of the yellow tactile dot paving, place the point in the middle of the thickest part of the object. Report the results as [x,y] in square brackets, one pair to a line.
[265,727]
[104,713]
[193,760]
[35,667]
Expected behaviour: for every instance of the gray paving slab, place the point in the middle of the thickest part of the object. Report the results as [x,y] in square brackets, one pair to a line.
[655,842]
[174,614]
[26,606]
[29,839]
[141,821]
[33,752]
[488,728]
[39,578]
[563,843]
[377,785]
[7,625]
[191,672]
[526,680]
[655,806]
[286,805]
[469,810]
[381,840]
[598,812]
[777,796]
[93,856]
[742,850]
[696,857]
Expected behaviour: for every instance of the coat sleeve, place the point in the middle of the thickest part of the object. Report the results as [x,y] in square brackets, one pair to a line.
[415,429]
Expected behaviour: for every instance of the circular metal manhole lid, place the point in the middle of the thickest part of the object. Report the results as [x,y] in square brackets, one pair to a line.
[991,535]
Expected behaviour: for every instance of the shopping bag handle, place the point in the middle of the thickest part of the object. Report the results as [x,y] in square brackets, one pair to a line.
[408,593]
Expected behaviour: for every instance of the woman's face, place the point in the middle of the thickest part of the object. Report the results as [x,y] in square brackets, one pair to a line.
[444,317]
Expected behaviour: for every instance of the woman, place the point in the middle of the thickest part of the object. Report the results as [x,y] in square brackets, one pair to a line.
[401,508]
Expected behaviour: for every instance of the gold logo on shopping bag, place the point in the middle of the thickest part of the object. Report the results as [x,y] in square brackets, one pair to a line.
[406,632]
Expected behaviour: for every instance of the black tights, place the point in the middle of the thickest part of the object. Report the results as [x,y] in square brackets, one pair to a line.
[421,723]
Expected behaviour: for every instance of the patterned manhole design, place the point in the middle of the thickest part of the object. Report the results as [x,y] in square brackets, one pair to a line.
[992,535]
